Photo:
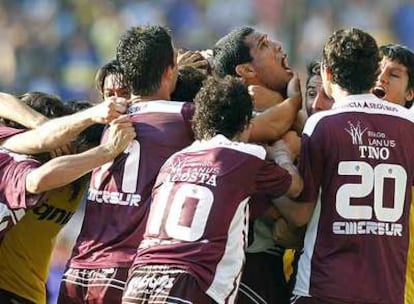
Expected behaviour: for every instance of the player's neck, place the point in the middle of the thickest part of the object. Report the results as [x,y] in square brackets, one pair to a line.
[156,96]
[337,92]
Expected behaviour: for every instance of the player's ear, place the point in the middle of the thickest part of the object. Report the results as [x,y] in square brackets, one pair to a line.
[409,94]
[245,70]
[326,72]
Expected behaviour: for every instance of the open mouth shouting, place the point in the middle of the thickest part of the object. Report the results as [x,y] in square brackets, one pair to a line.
[379,91]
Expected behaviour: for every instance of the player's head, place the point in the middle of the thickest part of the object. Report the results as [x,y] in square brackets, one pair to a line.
[148,60]
[223,106]
[313,85]
[251,55]
[91,136]
[395,82]
[351,61]
[189,82]
[49,105]
[109,81]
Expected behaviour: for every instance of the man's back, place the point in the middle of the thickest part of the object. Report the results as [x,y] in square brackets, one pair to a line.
[119,193]
[359,158]
[198,220]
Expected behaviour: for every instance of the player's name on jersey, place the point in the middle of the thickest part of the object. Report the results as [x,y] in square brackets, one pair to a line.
[194,176]
[367,227]
[115,198]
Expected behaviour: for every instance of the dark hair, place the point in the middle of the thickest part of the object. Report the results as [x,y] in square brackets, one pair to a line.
[111,68]
[402,55]
[49,105]
[352,56]
[230,51]
[91,136]
[223,106]
[189,82]
[144,53]
[87,139]
[313,69]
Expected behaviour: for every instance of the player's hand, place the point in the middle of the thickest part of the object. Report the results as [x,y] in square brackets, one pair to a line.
[288,236]
[109,110]
[293,87]
[191,59]
[263,98]
[120,134]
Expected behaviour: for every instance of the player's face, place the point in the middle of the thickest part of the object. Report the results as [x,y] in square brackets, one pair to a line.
[113,87]
[269,61]
[312,89]
[392,83]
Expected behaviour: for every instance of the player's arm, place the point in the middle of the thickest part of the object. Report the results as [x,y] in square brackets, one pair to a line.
[277,120]
[63,170]
[284,152]
[60,131]
[12,108]
[297,213]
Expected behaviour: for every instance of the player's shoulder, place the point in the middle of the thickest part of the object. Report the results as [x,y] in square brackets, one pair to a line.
[363,103]
[220,141]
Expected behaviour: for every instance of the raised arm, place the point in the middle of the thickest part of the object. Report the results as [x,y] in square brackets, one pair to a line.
[278,119]
[60,131]
[63,170]
[12,108]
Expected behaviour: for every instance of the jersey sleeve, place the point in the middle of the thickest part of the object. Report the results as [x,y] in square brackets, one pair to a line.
[311,163]
[14,180]
[7,132]
[187,113]
[272,179]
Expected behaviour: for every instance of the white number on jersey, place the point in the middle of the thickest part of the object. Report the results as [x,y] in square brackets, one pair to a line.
[131,168]
[371,179]
[173,228]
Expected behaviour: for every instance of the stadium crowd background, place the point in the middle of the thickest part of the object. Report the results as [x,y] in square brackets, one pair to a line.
[56,46]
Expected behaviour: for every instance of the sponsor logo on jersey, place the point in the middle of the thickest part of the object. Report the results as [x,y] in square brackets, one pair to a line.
[46,212]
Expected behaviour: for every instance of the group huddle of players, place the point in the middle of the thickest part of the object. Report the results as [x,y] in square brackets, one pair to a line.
[207,173]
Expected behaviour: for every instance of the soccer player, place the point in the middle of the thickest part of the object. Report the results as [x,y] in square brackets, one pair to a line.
[358,167]
[193,249]
[25,251]
[315,97]
[109,81]
[120,192]
[189,82]
[23,180]
[261,63]
[395,83]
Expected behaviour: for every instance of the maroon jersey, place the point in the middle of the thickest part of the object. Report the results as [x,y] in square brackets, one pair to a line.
[199,214]
[120,191]
[357,161]
[13,195]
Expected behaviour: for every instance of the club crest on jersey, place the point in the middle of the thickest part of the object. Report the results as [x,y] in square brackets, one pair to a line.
[371,144]
[356,132]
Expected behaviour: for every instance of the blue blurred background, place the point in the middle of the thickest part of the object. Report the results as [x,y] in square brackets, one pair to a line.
[56,46]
